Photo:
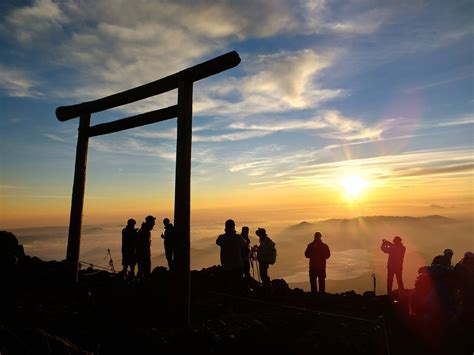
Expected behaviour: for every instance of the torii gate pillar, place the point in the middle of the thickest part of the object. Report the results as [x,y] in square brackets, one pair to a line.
[182,202]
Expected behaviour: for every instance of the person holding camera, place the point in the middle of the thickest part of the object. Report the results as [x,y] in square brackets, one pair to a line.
[396,253]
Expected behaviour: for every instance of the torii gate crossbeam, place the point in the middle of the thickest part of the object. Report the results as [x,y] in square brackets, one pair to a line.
[183,81]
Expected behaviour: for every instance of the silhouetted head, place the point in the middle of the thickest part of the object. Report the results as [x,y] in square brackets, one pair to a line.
[397,240]
[166,222]
[261,232]
[245,231]
[131,222]
[448,253]
[230,225]
[317,236]
[150,221]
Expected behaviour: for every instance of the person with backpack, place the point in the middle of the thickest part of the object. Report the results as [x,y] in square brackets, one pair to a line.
[129,245]
[317,252]
[169,237]
[266,256]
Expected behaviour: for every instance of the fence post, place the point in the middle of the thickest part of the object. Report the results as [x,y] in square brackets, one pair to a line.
[77,202]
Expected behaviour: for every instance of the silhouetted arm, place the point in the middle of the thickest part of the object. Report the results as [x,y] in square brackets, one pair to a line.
[328,252]
[307,252]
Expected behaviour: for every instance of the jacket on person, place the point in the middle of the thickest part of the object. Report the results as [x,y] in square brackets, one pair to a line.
[232,250]
[396,254]
[143,241]
[129,240]
[169,235]
[317,252]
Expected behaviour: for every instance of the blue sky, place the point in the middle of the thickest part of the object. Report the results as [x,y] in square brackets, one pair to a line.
[325,89]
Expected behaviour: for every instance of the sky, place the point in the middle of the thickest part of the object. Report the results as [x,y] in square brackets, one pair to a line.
[338,108]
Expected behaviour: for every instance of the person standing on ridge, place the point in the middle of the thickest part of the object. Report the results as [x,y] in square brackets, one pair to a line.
[246,252]
[444,260]
[396,253]
[169,236]
[232,250]
[317,252]
[144,247]
[129,245]
[266,256]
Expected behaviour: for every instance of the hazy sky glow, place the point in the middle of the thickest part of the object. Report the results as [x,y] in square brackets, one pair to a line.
[326,90]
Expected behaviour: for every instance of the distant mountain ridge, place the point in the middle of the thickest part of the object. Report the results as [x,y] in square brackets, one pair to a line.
[380,218]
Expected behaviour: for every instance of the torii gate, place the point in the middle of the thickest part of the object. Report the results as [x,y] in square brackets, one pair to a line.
[183,81]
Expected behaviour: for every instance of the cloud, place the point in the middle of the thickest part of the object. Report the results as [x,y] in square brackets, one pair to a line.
[333,124]
[198,138]
[451,169]
[114,45]
[13,187]
[454,122]
[236,136]
[310,167]
[345,128]
[279,82]
[442,207]
[18,83]
[163,134]
[133,147]
[29,22]
[56,138]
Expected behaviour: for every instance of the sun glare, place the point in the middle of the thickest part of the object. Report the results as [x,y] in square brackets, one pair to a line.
[353,186]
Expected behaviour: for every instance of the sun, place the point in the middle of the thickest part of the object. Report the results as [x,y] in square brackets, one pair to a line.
[353,186]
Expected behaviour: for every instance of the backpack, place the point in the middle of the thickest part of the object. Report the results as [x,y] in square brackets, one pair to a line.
[267,252]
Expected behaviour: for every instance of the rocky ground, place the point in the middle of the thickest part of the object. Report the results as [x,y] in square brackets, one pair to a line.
[41,313]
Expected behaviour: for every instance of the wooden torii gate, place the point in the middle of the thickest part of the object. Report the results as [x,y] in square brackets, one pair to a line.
[183,81]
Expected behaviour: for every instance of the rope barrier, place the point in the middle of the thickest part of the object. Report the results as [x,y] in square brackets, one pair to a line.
[95,265]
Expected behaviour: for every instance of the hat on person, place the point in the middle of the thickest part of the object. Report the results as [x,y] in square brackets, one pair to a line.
[397,239]
[261,232]
[150,218]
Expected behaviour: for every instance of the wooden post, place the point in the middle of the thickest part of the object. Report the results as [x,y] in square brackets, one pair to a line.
[77,203]
[182,204]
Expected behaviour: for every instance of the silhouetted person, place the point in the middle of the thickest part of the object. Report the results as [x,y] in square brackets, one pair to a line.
[464,275]
[317,252]
[129,245]
[396,253]
[169,237]
[232,250]
[144,247]
[246,253]
[266,255]
[443,260]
